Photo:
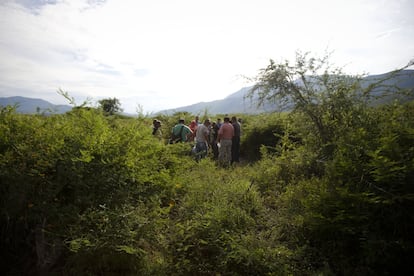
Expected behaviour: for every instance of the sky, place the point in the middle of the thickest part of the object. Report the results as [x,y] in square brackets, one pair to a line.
[161,54]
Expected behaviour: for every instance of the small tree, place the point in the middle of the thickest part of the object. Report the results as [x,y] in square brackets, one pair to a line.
[329,100]
[110,106]
[303,87]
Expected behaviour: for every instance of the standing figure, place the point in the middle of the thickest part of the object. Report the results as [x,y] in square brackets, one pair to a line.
[180,132]
[241,127]
[225,136]
[197,120]
[202,140]
[193,126]
[219,123]
[235,146]
[213,139]
[156,130]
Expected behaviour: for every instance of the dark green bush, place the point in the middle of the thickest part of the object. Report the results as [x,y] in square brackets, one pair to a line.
[261,130]
[221,228]
[80,183]
[88,194]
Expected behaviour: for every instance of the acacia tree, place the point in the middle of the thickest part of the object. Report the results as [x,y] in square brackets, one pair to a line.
[110,106]
[329,99]
[304,86]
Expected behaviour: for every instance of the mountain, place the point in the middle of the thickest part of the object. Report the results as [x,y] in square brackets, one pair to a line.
[234,103]
[391,83]
[237,103]
[32,106]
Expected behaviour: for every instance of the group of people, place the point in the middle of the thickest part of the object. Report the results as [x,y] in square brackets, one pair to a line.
[222,137]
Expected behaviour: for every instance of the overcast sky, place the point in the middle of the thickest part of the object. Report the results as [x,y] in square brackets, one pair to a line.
[161,54]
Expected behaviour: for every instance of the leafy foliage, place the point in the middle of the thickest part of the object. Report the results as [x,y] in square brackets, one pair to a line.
[328,190]
[79,179]
[351,186]
[261,130]
[110,106]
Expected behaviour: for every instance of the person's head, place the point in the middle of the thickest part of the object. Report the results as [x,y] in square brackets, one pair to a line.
[218,120]
[226,119]
[193,124]
[181,121]
[158,123]
[234,119]
[207,122]
[196,118]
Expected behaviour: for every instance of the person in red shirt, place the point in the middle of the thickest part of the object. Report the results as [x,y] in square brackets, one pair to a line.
[224,139]
[193,126]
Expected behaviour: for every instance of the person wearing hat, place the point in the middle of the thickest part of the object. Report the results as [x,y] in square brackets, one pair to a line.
[156,130]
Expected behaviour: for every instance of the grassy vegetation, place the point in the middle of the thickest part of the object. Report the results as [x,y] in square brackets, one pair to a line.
[82,193]
[326,189]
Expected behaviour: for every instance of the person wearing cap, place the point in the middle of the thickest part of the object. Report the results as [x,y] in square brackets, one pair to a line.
[180,132]
[156,130]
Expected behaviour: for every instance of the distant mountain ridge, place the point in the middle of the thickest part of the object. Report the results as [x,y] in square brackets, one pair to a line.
[237,103]
[233,103]
[32,105]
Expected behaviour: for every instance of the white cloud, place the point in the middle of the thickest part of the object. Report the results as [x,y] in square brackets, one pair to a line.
[164,54]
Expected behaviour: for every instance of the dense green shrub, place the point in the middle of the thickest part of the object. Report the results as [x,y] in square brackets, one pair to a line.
[347,186]
[88,194]
[221,229]
[348,213]
[80,183]
[261,130]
